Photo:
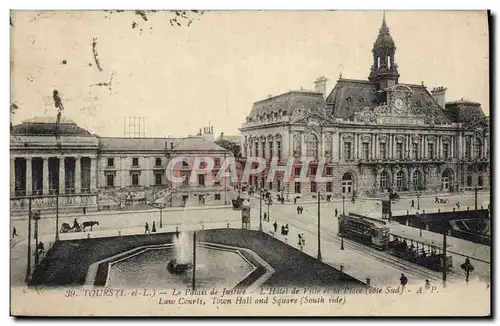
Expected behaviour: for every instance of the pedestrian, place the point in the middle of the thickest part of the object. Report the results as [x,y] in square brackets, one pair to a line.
[153,228]
[403,280]
[265,216]
[458,205]
[353,200]
[303,239]
[295,200]
[84,210]
[14,232]
[436,200]
[146,228]
[301,210]
[336,212]
[275,225]
[412,203]
[282,230]
[427,284]
[298,209]
[300,245]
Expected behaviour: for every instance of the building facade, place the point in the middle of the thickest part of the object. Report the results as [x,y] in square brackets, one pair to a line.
[374,135]
[92,172]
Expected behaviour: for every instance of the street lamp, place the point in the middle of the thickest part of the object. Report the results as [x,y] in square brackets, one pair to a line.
[28,267]
[161,215]
[475,197]
[36,217]
[343,205]
[57,215]
[319,228]
[269,202]
[418,200]
[260,212]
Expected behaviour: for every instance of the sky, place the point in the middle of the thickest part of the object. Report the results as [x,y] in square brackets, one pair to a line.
[182,78]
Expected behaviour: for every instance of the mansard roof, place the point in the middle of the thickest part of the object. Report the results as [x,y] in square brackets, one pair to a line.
[351,95]
[286,103]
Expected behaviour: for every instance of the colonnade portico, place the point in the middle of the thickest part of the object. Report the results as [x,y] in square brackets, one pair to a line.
[33,175]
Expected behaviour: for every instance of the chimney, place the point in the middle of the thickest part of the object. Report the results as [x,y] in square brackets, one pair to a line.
[320,85]
[438,93]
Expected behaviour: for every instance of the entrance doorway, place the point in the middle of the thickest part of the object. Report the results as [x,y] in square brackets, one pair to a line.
[446,180]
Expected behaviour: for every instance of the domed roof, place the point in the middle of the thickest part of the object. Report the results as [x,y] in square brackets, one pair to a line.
[384,38]
[48,126]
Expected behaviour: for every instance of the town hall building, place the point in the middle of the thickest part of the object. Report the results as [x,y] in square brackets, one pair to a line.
[375,134]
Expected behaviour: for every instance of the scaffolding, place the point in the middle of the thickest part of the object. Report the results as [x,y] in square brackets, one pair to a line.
[134,127]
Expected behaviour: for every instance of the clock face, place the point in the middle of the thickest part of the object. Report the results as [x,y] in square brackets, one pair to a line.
[398,104]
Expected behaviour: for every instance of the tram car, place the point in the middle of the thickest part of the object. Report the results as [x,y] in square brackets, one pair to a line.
[365,230]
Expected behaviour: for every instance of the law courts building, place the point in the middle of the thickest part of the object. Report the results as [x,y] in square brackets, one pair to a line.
[376,134]
[92,172]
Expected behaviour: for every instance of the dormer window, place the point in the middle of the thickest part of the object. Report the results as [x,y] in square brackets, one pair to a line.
[349,99]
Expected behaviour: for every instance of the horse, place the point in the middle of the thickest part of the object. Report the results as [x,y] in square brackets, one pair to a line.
[89,223]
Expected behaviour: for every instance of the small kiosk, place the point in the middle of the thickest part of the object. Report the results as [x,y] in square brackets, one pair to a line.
[245,215]
[386,206]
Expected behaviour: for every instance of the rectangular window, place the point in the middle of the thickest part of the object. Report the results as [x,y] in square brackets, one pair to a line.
[110,180]
[366,151]
[313,170]
[414,150]
[158,179]
[297,187]
[263,149]
[135,179]
[399,151]
[278,144]
[313,186]
[135,161]
[467,148]
[171,145]
[270,186]
[446,151]
[347,150]
[430,150]
[328,187]
[271,149]
[383,151]
[111,161]
[216,179]
[158,161]
[217,162]
[297,172]
[185,181]
[217,196]
[201,179]
[256,149]
[329,170]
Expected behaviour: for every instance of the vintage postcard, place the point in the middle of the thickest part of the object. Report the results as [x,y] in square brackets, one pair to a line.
[250,163]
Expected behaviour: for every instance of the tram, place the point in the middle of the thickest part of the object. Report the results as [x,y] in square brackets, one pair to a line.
[366,230]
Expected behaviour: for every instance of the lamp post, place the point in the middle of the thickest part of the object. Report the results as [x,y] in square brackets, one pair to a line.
[28,267]
[36,217]
[418,200]
[475,197]
[260,212]
[161,215]
[57,215]
[269,202]
[343,205]
[319,228]
[445,267]
[194,260]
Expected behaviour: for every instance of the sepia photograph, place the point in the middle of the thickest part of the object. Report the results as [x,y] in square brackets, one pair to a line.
[250,163]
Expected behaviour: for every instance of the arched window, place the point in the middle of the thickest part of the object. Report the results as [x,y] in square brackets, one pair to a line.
[478,153]
[347,183]
[399,180]
[384,180]
[417,180]
[312,146]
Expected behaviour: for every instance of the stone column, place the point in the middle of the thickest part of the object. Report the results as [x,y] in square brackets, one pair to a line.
[45,176]
[93,174]
[62,176]
[29,177]
[12,176]
[375,153]
[356,144]
[78,175]
[341,146]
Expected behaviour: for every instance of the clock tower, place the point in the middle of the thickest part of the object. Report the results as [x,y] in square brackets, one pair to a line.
[384,71]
